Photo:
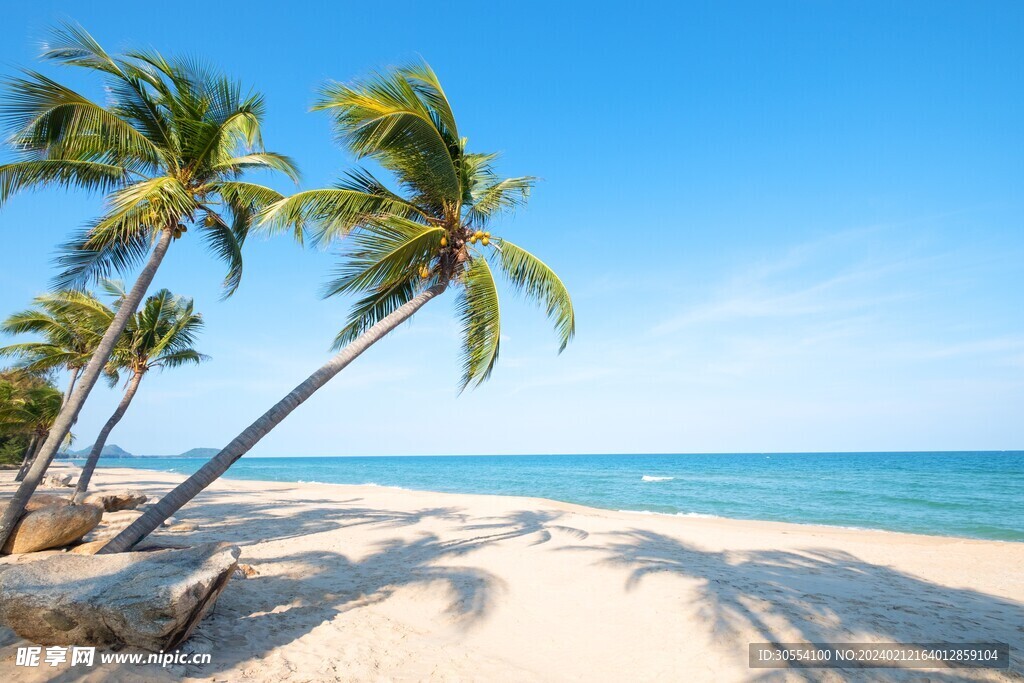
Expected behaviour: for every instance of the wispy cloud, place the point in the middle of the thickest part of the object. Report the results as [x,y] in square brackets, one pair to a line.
[814,279]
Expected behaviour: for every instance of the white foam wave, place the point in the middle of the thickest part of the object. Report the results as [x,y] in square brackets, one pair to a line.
[648,477]
[671,514]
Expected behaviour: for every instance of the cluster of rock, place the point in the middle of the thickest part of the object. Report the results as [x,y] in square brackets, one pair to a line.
[53,521]
[150,600]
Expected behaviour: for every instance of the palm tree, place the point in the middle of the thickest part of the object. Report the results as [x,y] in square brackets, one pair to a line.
[70,323]
[403,249]
[160,335]
[169,148]
[30,412]
[14,382]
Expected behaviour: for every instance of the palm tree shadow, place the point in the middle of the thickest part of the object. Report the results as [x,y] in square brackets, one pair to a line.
[820,595]
[330,583]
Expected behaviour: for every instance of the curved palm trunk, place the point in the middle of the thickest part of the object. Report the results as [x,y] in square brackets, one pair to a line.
[69,413]
[242,443]
[101,439]
[71,385]
[30,454]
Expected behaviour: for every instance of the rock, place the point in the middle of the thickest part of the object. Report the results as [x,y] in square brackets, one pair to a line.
[112,501]
[245,571]
[183,527]
[57,480]
[52,527]
[45,500]
[90,548]
[147,600]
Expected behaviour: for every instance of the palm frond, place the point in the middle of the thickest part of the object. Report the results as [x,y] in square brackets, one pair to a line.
[179,358]
[380,255]
[374,307]
[503,195]
[335,211]
[259,160]
[84,260]
[480,318]
[46,117]
[536,280]
[91,176]
[387,119]
[226,244]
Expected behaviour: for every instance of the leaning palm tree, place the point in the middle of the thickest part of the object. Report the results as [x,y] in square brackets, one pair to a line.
[69,325]
[30,412]
[160,335]
[168,148]
[403,248]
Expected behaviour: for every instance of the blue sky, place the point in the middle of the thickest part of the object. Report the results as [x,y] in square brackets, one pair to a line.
[786,226]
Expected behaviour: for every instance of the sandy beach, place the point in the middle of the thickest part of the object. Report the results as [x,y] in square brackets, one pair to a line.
[364,583]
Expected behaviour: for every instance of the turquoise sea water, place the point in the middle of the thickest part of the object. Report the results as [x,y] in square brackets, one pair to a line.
[976,494]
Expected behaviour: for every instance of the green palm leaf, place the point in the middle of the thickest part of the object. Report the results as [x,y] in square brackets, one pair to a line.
[371,309]
[480,317]
[536,280]
[381,255]
[387,119]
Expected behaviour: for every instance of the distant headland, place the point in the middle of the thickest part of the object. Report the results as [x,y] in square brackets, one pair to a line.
[115,451]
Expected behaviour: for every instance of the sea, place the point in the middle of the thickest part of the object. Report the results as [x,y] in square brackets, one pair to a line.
[971,494]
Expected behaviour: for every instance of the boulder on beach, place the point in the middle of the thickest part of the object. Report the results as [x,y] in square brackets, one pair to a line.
[148,600]
[57,480]
[45,500]
[52,527]
[113,501]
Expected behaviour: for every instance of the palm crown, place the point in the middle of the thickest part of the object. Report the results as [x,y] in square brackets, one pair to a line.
[30,411]
[429,232]
[160,335]
[69,323]
[169,147]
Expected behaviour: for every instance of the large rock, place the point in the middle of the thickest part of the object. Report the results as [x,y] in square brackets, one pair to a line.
[148,600]
[52,527]
[112,501]
[45,500]
[57,480]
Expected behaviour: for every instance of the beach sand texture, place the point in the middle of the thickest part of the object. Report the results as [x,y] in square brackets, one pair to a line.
[363,583]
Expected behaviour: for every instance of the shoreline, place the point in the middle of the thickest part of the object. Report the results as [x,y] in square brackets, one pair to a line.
[554,501]
[369,583]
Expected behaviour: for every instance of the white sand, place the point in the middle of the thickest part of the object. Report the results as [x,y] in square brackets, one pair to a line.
[360,583]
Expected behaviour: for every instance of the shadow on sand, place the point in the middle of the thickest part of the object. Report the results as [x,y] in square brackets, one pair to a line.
[818,596]
[810,595]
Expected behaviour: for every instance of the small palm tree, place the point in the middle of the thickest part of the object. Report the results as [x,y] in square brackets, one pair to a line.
[160,335]
[30,412]
[168,148]
[70,324]
[403,248]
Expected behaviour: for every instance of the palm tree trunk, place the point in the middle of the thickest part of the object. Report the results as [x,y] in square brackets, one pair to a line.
[71,385]
[69,413]
[30,454]
[219,464]
[101,440]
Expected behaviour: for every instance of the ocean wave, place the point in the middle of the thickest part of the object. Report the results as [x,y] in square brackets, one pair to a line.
[648,477]
[384,486]
[672,514]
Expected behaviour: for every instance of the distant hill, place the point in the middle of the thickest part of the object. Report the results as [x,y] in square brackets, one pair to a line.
[114,451]
[109,451]
[199,453]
